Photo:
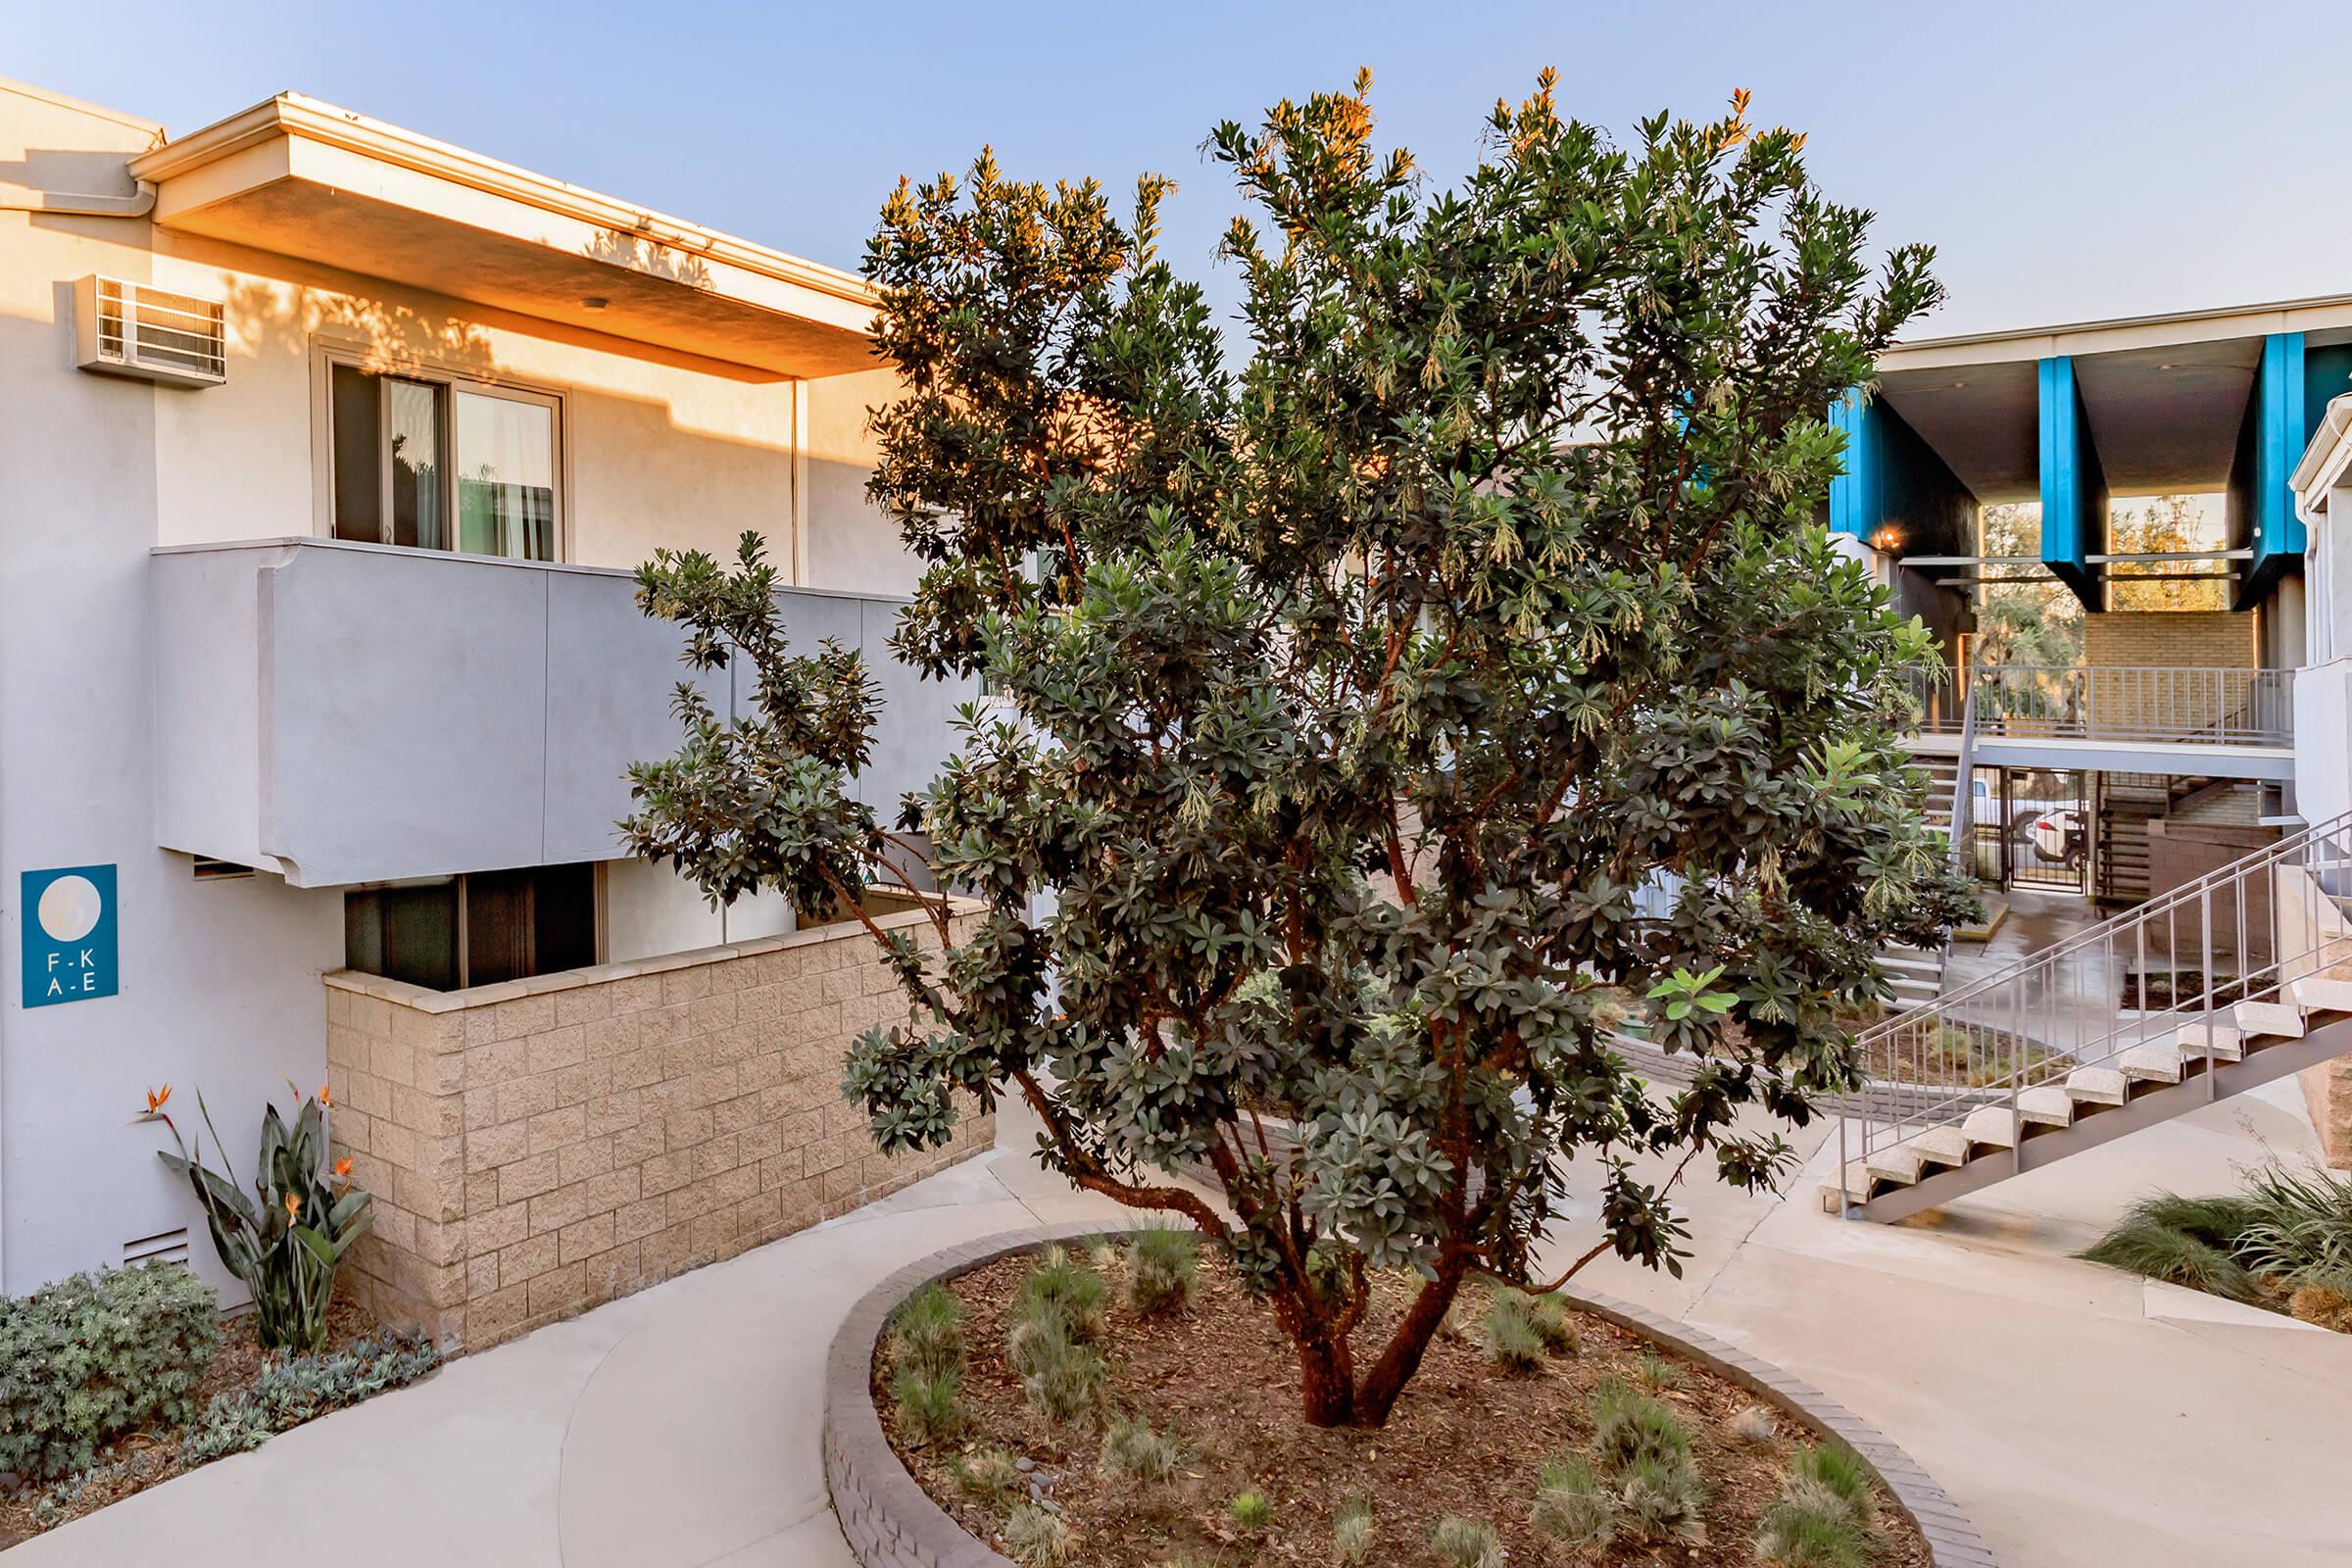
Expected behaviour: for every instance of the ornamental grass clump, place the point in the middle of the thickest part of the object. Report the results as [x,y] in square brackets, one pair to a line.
[1133,1451]
[1660,1497]
[285,1249]
[1840,1471]
[926,1332]
[1646,1449]
[929,1407]
[1467,1542]
[1354,1529]
[1061,1375]
[1520,1330]
[989,1473]
[1629,1425]
[1573,1505]
[1753,1425]
[1164,1264]
[1811,1525]
[1657,1372]
[1059,1286]
[95,1356]
[1355,659]
[1037,1536]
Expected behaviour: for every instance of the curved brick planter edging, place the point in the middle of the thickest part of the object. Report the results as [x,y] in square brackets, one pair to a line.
[891,1522]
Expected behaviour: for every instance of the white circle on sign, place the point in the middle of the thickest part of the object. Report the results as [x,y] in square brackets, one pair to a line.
[69,907]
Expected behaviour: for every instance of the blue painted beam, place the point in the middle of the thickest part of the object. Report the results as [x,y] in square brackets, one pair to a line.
[1854,505]
[2073,487]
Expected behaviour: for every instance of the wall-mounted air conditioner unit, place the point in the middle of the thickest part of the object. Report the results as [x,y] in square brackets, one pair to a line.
[123,328]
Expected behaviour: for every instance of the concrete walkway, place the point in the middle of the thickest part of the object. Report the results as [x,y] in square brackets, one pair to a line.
[2083,1418]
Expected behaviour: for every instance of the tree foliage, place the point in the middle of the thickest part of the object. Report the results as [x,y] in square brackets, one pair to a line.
[1370,695]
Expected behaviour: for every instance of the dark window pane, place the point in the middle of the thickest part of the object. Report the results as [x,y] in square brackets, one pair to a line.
[406,933]
[414,421]
[357,436]
[565,917]
[498,927]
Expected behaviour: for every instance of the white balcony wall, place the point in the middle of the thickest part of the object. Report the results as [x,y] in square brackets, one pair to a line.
[347,713]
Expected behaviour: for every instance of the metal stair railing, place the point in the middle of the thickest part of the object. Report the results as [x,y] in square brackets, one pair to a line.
[2152,975]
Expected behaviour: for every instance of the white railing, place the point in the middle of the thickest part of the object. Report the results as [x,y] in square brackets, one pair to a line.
[2115,702]
[2166,973]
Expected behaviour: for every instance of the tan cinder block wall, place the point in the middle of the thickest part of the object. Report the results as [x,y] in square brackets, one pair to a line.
[544,1146]
[2149,703]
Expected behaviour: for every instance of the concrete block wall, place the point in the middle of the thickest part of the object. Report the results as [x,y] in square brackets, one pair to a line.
[544,1146]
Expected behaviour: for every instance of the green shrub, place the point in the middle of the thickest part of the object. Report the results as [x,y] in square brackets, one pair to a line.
[1133,1451]
[1251,1510]
[1466,1542]
[1629,1426]
[1660,1497]
[1164,1264]
[1037,1536]
[1811,1526]
[1059,1286]
[285,1251]
[1574,1507]
[929,1406]
[1061,1375]
[926,1332]
[96,1356]
[1353,1532]
[989,1473]
[302,1388]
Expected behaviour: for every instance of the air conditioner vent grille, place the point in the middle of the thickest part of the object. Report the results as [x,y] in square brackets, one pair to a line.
[126,328]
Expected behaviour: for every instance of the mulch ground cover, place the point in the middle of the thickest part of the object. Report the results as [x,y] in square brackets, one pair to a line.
[1466,1439]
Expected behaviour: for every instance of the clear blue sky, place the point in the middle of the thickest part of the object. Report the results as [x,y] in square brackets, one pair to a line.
[2069,159]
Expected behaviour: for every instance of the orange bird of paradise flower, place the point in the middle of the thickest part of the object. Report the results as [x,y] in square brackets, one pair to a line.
[157,1100]
[293,1205]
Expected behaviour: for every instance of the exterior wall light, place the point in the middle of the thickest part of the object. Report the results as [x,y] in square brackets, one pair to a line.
[1888,539]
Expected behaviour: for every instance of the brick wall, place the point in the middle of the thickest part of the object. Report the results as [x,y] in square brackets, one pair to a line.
[2196,639]
[544,1146]
[2151,673]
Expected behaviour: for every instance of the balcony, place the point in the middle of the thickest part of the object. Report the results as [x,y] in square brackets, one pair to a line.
[341,712]
[2219,722]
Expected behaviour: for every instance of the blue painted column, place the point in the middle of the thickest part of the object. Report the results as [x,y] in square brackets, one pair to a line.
[2279,431]
[1855,508]
[2073,487]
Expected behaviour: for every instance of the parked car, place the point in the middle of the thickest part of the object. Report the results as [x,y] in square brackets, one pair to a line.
[2062,837]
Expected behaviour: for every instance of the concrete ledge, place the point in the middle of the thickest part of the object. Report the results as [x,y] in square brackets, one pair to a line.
[891,1522]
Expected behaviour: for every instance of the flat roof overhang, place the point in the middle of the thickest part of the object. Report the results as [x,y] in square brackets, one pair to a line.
[298,177]
[2165,395]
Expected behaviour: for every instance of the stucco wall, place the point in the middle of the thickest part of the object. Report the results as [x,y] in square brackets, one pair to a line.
[542,1147]
[852,545]
[220,988]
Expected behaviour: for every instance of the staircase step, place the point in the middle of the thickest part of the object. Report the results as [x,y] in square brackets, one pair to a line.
[2046,1104]
[2229,1042]
[2154,1064]
[1990,1125]
[2324,994]
[2095,1086]
[2270,1018]
[1903,1162]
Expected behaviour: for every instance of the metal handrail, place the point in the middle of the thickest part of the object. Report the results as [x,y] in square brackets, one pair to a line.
[2196,705]
[2276,915]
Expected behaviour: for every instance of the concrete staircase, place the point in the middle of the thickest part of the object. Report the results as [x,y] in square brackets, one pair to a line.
[1915,973]
[2044,1060]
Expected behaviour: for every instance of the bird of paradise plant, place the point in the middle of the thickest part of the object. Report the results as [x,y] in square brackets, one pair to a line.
[286,1247]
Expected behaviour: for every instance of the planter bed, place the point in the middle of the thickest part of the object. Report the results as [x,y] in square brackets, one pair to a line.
[1467,1440]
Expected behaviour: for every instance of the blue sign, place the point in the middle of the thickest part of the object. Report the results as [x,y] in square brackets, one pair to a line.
[69,947]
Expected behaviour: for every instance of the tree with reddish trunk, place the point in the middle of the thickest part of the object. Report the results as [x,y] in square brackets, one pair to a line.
[1380,700]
